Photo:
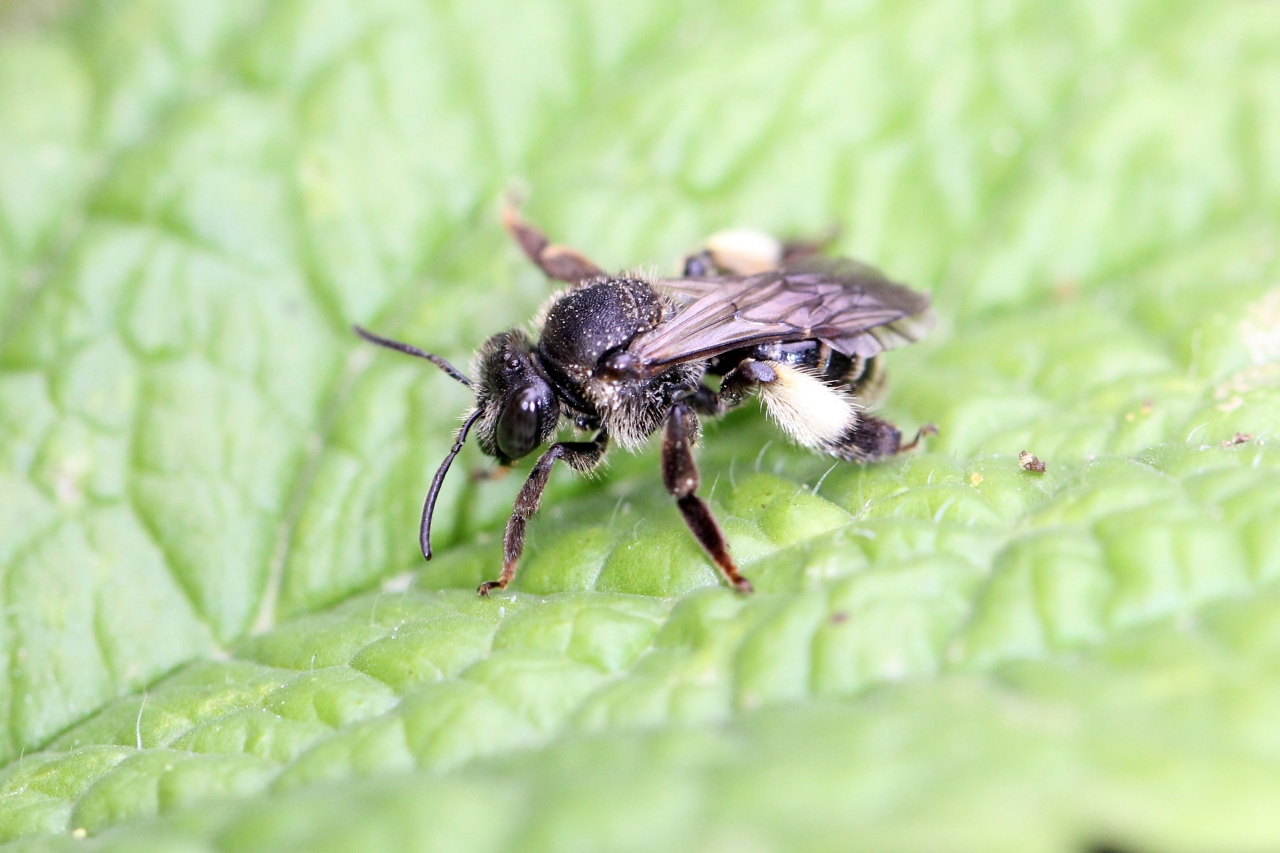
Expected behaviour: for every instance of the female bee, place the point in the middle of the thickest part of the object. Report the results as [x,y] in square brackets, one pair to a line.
[624,356]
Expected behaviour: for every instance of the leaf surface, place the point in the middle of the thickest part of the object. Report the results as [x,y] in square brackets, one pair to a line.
[218,634]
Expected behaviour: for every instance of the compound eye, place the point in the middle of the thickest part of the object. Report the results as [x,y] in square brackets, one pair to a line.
[520,424]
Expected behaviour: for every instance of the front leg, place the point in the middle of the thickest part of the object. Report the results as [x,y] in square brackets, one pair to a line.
[582,456]
[558,262]
[680,475]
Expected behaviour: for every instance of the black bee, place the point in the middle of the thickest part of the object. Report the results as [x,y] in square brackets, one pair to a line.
[624,356]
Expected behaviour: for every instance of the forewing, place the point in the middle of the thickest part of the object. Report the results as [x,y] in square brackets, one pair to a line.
[850,306]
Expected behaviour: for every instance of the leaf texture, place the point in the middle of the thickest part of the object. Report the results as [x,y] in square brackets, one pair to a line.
[217,634]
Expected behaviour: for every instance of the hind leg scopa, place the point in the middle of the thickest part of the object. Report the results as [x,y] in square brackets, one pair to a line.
[743,251]
[809,411]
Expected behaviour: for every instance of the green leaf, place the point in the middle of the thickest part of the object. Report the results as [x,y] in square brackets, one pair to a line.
[218,634]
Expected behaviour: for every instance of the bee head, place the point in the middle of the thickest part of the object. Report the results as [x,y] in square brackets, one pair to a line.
[515,410]
[516,405]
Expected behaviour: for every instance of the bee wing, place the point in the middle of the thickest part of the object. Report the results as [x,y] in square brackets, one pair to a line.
[848,305]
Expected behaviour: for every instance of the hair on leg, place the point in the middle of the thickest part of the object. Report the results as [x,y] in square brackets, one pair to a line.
[874,439]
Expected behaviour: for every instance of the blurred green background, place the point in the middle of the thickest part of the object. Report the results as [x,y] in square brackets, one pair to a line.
[218,634]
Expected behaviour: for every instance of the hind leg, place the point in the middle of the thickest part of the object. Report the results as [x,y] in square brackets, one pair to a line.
[874,439]
[743,251]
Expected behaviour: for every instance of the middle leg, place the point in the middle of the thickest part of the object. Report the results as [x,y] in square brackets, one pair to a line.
[680,475]
[557,262]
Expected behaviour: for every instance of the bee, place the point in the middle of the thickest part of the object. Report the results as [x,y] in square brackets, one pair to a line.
[623,356]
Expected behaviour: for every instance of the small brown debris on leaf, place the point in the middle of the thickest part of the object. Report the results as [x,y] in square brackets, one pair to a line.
[1238,438]
[1030,462]
[839,617]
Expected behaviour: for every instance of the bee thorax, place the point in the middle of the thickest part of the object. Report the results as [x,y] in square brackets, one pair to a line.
[580,326]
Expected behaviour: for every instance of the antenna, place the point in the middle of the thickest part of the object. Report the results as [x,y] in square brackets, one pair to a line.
[409,349]
[428,508]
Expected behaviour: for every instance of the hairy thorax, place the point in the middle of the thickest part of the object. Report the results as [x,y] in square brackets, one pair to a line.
[580,327]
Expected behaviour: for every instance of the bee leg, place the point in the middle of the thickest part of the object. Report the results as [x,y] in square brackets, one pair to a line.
[738,251]
[743,379]
[737,384]
[874,439]
[927,429]
[742,251]
[704,401]
[582,456]
[558,262]
[680,475]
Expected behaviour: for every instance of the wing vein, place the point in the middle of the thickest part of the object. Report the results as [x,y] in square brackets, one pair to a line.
[850,306]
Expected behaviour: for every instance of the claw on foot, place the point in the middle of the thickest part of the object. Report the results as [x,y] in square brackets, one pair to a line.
[484,588]
[927,429]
